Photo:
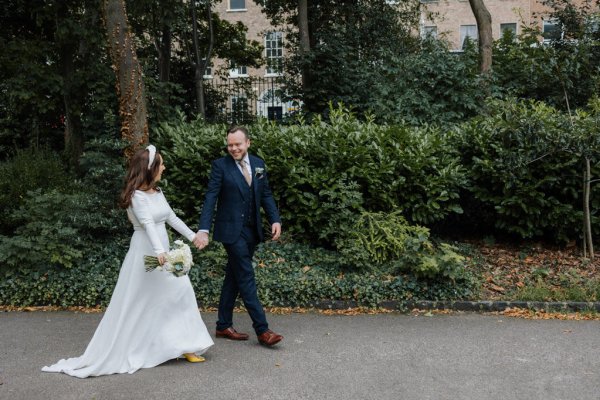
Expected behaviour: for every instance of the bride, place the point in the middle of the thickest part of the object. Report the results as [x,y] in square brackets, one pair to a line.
[152,316]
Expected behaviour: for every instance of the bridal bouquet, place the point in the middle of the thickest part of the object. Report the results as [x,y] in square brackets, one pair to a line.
[179,260]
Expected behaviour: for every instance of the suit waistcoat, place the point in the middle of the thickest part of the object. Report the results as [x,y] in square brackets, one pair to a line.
[249,210]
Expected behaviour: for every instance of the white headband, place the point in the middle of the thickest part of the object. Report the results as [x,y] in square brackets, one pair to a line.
[152,150]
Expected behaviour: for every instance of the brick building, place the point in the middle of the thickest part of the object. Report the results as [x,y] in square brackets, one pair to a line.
[451,20]
[454,21]
[264,97]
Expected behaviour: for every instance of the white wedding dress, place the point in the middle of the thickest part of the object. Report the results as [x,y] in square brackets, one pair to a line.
[152,316]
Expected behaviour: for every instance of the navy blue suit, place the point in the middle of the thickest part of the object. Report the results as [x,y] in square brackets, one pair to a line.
[237,224]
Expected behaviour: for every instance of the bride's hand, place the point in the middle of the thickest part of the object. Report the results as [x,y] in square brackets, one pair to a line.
[162,258]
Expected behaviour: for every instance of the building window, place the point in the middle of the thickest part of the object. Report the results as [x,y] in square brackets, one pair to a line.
[237,4]
[429,32]
[551,31]
[239,108]
[237,71]
[274,52]
[274,113]
[207,70]
[512,28]
[467,32]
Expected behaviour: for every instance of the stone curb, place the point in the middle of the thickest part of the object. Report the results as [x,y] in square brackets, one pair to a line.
[461,305]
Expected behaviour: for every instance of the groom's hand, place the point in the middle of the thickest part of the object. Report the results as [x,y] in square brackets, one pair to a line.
[201,240]
[276,230]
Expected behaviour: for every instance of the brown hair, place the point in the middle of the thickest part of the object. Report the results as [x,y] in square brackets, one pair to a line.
[139,176]
[240,128]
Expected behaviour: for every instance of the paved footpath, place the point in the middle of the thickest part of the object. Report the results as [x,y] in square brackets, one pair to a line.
[388,356]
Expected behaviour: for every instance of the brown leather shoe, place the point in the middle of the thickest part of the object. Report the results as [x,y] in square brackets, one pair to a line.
[269,338]
[232,334]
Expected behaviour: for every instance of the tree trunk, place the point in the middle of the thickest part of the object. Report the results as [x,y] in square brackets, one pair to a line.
[303,31]
[72,119]
[586,209]
[201,64]
[130,86]
[484,31]
[584,230]
[73,131]
[164,54]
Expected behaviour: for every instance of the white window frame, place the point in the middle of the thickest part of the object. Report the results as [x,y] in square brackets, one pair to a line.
[208,70]
[465,35]
[504,24]
[238,71]
[429,31]
[277,40]
[550,22]
[231,9]
[242,99]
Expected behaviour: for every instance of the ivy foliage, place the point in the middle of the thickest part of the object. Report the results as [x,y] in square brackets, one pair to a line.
[289,274]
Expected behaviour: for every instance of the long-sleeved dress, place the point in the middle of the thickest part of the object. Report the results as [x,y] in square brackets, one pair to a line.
[152,316]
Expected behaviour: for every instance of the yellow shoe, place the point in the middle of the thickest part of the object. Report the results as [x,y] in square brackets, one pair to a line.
[193,358]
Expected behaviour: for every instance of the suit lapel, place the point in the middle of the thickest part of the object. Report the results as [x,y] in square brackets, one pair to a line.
[237,176]
[254,183]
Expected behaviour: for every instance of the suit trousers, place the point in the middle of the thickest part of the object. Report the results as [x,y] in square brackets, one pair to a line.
[239,279]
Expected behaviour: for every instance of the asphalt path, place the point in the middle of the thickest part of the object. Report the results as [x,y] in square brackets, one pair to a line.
[386,356]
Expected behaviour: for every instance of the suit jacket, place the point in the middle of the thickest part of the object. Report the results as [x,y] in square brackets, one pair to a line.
[228,191]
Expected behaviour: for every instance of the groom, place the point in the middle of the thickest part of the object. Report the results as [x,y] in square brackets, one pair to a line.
[238,187]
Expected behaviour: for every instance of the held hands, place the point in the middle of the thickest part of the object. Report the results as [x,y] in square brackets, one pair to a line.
[200,240]
[275,230]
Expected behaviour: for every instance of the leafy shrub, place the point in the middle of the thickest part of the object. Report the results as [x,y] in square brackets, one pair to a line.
[428,86]
[524,69]
[56,227]
[525,170]
[29,169]
[324,172]
[380,238]
[102,166]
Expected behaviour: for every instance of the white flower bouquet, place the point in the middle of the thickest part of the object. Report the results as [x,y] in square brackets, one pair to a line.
[179,260]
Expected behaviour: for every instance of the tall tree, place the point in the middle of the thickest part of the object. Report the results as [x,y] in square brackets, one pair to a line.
[304,34]
[174,69]
[335,49]
[55,84]
[130,86]
[200,63]
[484,31]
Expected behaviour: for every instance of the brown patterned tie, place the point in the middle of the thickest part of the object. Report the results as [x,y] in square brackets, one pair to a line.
[245,172]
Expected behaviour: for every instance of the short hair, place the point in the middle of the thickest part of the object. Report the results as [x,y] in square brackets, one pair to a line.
[240,128]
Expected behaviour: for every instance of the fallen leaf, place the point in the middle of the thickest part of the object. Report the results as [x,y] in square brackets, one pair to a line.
[497,288]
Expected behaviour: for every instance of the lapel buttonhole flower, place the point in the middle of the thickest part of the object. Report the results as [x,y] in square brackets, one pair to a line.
[258,172]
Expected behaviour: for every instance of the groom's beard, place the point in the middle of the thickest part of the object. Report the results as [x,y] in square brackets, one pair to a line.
[239,156]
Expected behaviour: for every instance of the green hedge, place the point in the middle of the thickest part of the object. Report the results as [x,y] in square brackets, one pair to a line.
[525,165]
[324,172]
[516,170]
[27,170]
